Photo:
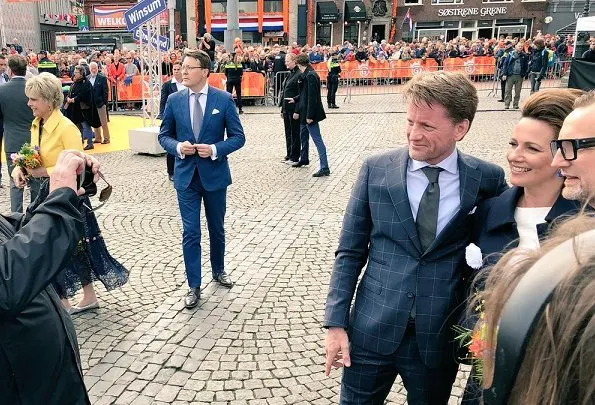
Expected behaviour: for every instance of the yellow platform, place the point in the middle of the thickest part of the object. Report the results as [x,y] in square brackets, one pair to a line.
[118,126]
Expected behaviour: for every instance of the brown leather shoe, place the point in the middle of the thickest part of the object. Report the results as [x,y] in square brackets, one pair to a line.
[105,142]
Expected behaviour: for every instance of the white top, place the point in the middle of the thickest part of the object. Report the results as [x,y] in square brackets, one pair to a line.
[448,181]
[527,220]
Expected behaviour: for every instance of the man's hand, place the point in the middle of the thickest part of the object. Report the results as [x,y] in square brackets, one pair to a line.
[337,349]
[296,116]
[69,165]
[38,172]
[18,176]
[187,148]
[204,150]
[309,121]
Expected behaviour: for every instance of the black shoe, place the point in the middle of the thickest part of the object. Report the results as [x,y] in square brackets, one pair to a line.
[285,159]
[89,147]
[322,172]
[501,100]
[335,106]
[300,164]
[241,111]
[223,279]
[192,298]
[171,177]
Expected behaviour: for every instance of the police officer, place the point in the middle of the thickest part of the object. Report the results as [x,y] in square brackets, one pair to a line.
[332,80]
[46,65]
[234,71]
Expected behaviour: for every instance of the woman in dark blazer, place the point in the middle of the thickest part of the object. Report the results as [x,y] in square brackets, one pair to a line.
[80,106]
[523,215]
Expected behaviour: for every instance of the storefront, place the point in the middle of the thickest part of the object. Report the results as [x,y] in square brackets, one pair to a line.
[355,15]
[261,21]
[476,19]
[327,15]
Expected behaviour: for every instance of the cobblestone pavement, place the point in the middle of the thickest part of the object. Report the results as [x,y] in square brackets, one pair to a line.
[260,342]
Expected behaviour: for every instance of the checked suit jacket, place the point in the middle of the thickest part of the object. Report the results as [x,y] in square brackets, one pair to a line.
[379,232]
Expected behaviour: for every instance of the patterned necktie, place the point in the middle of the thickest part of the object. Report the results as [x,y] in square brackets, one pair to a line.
[197,116]
[427,213]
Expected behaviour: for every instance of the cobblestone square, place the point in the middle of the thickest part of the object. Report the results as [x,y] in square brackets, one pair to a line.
[260,342]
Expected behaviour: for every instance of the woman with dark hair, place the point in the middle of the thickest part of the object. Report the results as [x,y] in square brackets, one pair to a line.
[80,108]
[522,216]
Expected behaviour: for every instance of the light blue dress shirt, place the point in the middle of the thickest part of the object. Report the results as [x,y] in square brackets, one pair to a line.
[449,182]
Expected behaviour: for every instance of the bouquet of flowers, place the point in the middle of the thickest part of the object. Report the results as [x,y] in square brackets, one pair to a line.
[27,158]
[475,340]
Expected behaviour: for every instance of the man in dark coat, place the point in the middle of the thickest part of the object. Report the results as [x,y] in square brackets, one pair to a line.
[289,90]
[279,66]
[39,358]
[168,88]
[310,112]
[100,98]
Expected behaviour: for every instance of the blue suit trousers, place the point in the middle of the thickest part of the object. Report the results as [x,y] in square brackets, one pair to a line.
[189,201]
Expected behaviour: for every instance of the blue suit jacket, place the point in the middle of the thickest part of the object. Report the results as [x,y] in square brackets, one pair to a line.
[220,117]
[379,229]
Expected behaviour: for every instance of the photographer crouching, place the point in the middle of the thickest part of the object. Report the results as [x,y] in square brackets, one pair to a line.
[39,358]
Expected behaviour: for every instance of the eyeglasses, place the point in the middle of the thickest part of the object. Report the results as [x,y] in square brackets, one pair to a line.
[569,147]
[184,67]
[104,195]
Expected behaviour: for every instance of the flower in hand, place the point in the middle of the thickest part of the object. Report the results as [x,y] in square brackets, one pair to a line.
[27,158]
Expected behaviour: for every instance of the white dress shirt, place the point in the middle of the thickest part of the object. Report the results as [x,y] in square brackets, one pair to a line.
[92,80]
[527,220]
[449,182]
[179,85]
[203,105]
[3,78]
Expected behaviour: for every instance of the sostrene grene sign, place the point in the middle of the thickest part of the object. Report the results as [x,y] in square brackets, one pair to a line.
[471,11]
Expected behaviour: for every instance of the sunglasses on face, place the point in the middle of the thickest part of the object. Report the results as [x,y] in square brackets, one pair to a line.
[569,147]
[104,195]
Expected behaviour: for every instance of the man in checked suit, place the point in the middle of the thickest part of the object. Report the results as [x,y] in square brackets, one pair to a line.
[408,218]
[193,129]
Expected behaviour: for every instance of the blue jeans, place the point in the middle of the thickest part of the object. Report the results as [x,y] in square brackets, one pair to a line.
[87,132]
[312,130]
[535,82]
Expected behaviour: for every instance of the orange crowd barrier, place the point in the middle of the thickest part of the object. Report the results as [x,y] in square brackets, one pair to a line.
[473,66]
[379,69]
[252,86]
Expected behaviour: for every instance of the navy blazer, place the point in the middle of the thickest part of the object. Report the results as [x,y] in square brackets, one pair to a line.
[495,229]
[167,89]
[220,117]
[380,229]
[100,90]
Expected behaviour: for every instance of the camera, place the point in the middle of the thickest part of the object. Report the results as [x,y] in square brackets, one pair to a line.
[85,180]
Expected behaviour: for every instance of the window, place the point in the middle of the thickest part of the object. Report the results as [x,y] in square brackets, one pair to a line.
[350,34]
[447,1]
[413,1]
[273,6]
[219,6]
[497,1]
[248,6]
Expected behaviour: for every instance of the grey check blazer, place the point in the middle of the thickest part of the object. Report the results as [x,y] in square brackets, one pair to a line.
[379,229]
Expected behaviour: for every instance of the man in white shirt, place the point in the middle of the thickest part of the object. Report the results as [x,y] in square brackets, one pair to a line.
[574,151]
[100,96]
[194,126]
[408,218]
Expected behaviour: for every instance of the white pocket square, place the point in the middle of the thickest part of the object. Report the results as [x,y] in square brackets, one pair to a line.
[473,210]
[215,111]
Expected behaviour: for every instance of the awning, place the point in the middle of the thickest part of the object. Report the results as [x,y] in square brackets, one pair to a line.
[355,11]
[326,11]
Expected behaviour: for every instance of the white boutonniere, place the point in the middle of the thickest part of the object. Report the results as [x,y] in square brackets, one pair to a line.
[473,256]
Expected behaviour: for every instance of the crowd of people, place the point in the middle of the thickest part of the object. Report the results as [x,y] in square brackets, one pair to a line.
[412,215]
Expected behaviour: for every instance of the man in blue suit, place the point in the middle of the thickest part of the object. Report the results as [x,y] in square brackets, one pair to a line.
[408,218]
[193,129]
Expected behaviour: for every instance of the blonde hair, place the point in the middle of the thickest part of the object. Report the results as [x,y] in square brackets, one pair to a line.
[452,90]
[559,362]
[46,87]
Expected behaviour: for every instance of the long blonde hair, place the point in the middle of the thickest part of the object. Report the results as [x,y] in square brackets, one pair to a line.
[559,363]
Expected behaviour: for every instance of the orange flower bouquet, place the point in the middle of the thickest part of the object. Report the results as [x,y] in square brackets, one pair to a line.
[475,341]
[27,158]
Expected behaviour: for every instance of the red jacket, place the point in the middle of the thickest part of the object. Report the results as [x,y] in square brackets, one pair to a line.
[116,73]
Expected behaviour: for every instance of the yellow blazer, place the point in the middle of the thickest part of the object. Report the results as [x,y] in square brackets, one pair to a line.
[58,134]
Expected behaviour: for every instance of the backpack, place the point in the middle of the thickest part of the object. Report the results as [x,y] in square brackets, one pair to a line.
[550,57]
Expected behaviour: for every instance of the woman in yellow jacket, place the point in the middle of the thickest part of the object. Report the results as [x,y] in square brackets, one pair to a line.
[53,133]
